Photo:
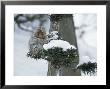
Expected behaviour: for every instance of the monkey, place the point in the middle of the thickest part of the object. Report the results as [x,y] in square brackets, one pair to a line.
[37,40]
[40,34]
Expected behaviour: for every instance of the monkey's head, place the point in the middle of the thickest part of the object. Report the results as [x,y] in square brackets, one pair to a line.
[39,34]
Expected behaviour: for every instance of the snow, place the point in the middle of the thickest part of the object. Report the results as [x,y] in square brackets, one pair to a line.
[24,66]
[87,46]
[53,35]
[87,43]
[86,59]
[58,43]
[54,32]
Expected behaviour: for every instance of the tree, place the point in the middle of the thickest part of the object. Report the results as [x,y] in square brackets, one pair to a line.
[65,26]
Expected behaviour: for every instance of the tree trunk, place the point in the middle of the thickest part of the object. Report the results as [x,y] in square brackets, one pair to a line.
[67,32]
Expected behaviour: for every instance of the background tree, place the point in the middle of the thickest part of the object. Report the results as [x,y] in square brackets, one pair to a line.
[65,26]
[27,22]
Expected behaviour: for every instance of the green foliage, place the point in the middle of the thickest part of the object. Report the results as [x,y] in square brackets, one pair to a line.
[88,68]
[57,56]
[35,55]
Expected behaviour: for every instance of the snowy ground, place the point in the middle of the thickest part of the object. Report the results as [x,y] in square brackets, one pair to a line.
[86,33]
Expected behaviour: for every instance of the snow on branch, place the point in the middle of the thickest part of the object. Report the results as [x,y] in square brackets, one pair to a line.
[58,43]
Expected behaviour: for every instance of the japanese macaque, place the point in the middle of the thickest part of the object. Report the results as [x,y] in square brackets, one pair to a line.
[37,40]
[40,34]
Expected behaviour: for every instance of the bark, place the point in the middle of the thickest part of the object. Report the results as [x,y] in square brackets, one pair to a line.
[67,32]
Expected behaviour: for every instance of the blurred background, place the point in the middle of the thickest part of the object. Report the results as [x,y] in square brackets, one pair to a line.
[25,24]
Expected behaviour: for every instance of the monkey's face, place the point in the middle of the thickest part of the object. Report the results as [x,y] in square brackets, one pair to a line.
[39,34]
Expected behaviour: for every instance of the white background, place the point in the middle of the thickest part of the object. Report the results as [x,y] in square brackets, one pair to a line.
[56,80]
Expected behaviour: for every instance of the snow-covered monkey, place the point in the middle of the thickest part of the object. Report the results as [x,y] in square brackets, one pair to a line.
[37,40]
